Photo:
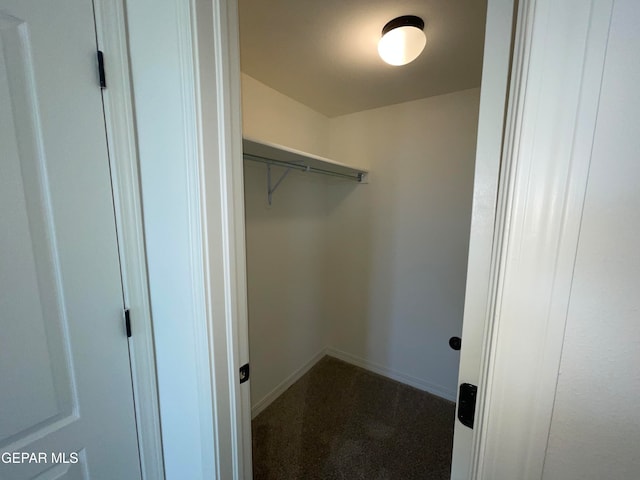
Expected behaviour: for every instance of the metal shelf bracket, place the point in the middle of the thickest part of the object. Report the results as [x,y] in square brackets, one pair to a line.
[271,189]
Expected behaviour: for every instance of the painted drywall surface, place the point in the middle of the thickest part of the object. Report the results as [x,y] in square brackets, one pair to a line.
[269,115]
[375,271]
[397,247]
[595,430]
[286,242]
[286,271]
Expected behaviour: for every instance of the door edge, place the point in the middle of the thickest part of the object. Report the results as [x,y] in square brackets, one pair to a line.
[121,139]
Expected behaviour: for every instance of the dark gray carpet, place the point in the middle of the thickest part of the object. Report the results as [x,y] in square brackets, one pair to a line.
[342,422]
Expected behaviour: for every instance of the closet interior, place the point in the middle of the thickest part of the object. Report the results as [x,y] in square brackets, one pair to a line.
[358,193]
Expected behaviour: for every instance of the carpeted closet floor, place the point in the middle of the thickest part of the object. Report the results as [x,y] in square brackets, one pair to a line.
[342,422]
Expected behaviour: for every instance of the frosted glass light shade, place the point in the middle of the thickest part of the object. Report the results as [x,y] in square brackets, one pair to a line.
[402,44]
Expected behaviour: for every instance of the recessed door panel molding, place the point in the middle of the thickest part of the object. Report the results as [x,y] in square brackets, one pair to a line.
[59,472]
[33,398]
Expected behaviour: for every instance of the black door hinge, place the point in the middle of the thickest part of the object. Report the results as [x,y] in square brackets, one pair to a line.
[244,373]
[467,404]
[127,322]
[101,75]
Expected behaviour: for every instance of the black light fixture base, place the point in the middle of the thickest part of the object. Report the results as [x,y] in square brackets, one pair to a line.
[404,21]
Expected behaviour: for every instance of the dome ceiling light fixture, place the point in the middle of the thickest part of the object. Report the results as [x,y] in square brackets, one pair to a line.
[402,40]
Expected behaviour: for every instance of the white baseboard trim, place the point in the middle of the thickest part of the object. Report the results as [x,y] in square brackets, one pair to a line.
[286,383]
[431,388]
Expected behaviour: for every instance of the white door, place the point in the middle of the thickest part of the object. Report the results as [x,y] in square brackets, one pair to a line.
[65,383]
[495,78]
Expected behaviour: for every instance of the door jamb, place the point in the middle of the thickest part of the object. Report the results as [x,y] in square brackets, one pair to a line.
[123,157]
[208,55]
[219,133]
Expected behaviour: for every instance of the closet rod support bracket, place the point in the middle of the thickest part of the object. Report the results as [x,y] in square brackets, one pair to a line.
[271,189]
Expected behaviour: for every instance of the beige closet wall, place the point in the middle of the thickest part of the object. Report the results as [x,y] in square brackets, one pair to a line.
[286,243]
[398,246]
[271,116]
[374,272]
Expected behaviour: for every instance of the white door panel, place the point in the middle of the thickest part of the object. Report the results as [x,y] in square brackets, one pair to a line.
[493,97]
[65,383]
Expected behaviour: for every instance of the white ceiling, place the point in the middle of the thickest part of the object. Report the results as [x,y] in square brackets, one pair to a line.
[323,53]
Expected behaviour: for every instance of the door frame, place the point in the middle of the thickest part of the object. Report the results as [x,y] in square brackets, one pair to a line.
[111,38]
[211,146]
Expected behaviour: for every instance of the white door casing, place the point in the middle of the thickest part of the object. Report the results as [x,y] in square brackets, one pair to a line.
[66,383]
[185,76]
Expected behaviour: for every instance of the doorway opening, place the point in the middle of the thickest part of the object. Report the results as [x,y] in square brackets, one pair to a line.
[356,288]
